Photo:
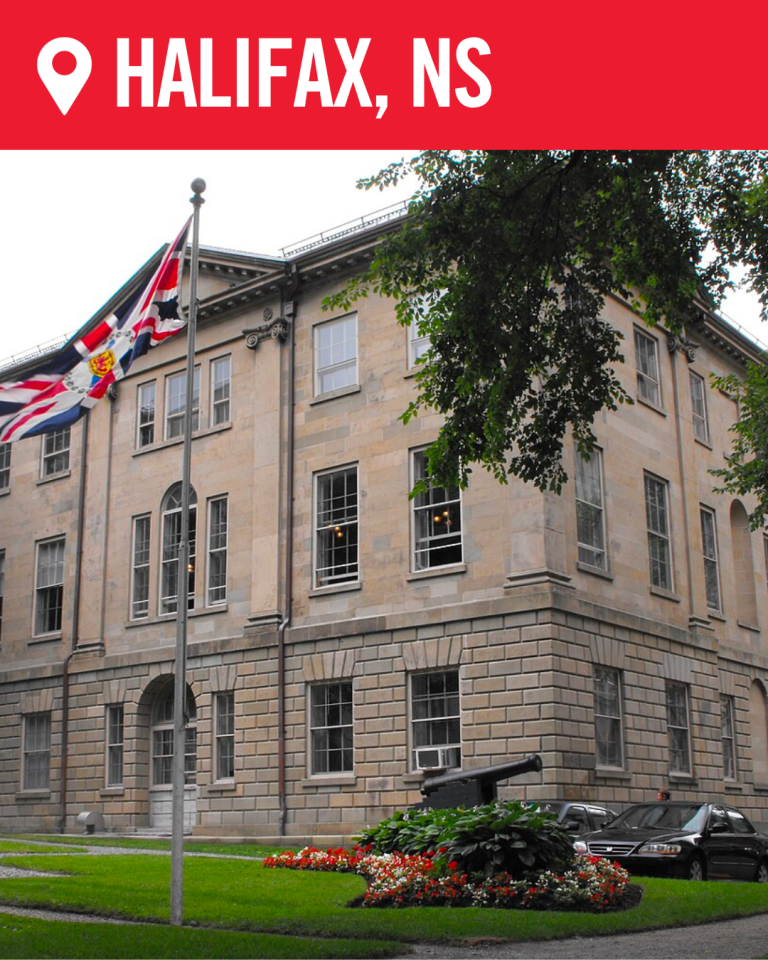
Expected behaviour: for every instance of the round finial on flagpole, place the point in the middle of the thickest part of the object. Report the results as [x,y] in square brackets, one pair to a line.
[198,185]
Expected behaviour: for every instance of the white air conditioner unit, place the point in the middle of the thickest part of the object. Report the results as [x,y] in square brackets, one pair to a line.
[436,758]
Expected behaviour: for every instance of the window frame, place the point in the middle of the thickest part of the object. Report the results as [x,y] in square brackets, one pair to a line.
[149,425]
[416,723]
[49,468]
[348,363]
[224,754]
[582,545]
[683,745]
[146,565]
[170,562]
[419,470]
[711,562]
[58,585]
[42,752]
[216,551]
[177,416]
[658,536]
[347,527]
[617,718]
[419,344]
[728,736]
[2,590]
[226,401]
[344,728]
[5,467]
[646,376]
[700,417]
[115,746]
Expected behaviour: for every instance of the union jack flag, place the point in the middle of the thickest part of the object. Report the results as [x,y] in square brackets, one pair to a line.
[62,388]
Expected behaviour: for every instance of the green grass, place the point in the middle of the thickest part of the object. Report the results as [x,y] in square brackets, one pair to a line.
[132,843]
[23,846]
[26,937]
[241,894]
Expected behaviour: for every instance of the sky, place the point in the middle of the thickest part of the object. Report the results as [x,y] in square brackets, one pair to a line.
[78,224]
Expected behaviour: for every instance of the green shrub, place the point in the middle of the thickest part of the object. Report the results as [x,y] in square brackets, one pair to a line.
[503,836]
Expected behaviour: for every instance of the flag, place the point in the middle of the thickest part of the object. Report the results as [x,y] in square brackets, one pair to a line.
[62,388]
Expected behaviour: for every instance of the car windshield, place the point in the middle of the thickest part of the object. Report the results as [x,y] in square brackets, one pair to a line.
[662,816]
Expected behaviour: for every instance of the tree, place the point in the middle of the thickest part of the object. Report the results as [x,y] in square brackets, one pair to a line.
[506,259]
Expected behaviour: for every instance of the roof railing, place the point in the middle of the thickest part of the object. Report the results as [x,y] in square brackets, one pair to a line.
[44,348]
[392,212]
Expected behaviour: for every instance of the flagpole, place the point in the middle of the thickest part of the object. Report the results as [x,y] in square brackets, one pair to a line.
[180,682]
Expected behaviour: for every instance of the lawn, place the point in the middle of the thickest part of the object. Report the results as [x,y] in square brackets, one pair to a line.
[23,846]
[243,895]
[137,843]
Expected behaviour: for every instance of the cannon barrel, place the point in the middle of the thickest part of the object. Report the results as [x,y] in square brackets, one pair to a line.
[484,775]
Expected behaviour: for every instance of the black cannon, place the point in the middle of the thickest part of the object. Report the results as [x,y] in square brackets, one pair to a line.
[471,788]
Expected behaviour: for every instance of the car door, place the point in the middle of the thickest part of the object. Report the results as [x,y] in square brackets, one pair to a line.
[747,845]
[719,845]
[576,814]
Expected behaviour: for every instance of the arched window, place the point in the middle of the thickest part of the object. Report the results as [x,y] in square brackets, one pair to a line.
[162,738]
[744,571]
[758,728]
[169,564]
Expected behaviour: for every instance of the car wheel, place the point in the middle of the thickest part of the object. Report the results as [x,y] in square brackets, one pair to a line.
[695,870]
[761,875]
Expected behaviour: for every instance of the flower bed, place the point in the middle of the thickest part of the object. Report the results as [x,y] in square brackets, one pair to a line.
[400,880]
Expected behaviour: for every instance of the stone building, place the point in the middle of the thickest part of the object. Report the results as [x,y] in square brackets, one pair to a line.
[343,638]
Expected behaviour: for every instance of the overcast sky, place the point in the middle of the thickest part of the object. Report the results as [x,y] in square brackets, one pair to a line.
[78,224]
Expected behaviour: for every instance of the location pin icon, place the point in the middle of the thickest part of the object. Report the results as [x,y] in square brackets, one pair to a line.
[64,88]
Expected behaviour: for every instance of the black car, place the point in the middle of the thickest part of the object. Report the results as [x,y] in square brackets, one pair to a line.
[687,840]
[578,816]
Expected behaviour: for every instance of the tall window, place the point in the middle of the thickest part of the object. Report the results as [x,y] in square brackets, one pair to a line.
[331,730]
[657,515]
[647,358]
[678,728]
[221,379]
[176,402]
[146,420]
[225,736]
[56,452]
[609,741]
[418,344]
[437,538]
[336,528]
[2,588]
[335,354]
[709,552]
[5,466]
[699,407]
[115,745]
[162,739]
[435,720]
[729,738]
[217,551]
[590,518]
[169,578]
[140,568]
[36,773]
[49,586]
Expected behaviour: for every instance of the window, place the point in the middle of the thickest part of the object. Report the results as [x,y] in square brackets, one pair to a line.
[169,578]
[336,528]
[49,586]
[609,742]
[37,752]
[221,377]
[2,588]
[56,452]
[225,736]
[647,358]
[677,727]
[729,739]
[5,466]
[217,551]
[418,344]
[140,570]
[699,408]
[437,540]
[335,354]
[435,720]
[146,421]
[765,557]
[176,401]
[709,552]
[657,515]
[331,731]
[115,742]
[162,739]
[590,519]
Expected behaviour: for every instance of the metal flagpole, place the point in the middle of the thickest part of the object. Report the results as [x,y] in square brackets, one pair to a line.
[180,681]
